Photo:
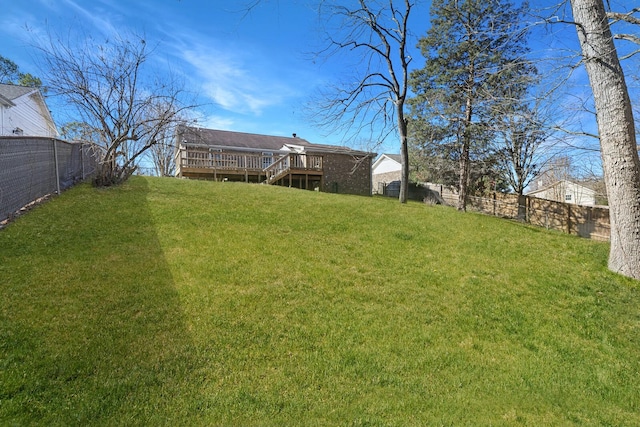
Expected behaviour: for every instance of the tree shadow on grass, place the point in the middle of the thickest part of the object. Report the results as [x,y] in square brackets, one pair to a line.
[91,327]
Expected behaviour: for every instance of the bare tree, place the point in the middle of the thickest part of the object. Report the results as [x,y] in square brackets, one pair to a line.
[127,108]
[163,152]
[616,129]
[375,99]
[163,158]
[519,135]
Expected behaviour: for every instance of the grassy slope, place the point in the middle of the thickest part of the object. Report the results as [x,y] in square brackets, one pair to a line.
[182,302]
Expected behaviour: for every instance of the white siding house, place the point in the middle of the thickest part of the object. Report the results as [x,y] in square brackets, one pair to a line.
[24,112]
[567,192]
[386,169]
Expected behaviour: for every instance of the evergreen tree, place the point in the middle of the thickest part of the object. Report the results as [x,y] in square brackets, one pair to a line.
[10,74]
[475,54]
[8,70]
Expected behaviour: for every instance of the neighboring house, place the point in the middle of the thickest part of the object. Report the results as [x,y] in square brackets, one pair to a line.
[24,112]
[386,171]
[291,161]
[566,191]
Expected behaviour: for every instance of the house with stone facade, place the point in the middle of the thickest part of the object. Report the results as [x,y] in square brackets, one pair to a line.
[221,155]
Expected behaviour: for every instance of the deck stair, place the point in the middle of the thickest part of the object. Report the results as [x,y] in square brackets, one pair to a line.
[292,163]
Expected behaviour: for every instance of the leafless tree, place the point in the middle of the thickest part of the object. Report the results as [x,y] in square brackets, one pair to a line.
[518,139]
[563,61]
[520,135]
[109,84]
[372,101]
[163,158]
[616,130]
[78,132]
[163,152]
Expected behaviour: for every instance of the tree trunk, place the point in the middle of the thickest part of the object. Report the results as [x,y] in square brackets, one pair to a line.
[466,146]
[404,153]
[620,161]
[463,179]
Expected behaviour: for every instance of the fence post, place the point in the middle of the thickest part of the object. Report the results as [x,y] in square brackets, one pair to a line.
[568,218]
[55,158]
[494,203]
[82,160]
[521,212]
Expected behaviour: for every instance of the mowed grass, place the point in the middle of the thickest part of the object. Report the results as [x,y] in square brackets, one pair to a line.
[172,302]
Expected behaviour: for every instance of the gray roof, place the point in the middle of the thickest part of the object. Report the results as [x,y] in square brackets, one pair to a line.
[251,141]
[227,138]
[396,157]
[6,102]
[336,149]
[12,92]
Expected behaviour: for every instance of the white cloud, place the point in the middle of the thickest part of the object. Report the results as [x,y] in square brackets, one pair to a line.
[247,78]
[98,21]
[216,122]
[236,84]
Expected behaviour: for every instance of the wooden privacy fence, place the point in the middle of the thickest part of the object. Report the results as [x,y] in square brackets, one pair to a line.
[586,221]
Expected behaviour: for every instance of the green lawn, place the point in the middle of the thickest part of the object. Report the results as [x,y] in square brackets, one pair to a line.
[173,302]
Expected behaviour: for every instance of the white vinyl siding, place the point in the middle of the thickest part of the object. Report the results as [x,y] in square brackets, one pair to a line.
[29,115]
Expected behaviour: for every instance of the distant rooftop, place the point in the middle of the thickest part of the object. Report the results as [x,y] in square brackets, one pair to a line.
[396,157]
[12,92]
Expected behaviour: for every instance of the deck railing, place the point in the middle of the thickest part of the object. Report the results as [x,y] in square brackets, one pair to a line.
[268,164]
[224,161]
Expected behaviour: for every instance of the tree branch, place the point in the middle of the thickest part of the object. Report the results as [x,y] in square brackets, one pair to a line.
[625,17]
[628,37]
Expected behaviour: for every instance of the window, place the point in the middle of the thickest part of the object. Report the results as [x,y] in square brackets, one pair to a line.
[267,159]
[567,197]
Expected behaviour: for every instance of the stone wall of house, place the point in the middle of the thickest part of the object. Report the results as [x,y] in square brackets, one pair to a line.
[379,180]
[346,174]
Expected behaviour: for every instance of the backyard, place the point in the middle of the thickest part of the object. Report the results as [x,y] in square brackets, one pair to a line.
[175,302]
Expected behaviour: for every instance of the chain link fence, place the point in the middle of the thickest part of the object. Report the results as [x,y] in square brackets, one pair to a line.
[34,167]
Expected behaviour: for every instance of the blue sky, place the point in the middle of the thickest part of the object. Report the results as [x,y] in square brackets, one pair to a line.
[254,70]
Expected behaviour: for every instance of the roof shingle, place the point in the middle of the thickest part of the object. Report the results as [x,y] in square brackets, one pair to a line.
[12,92]
[225,138]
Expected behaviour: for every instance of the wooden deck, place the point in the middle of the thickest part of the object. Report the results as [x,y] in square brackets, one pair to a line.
[292,169]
